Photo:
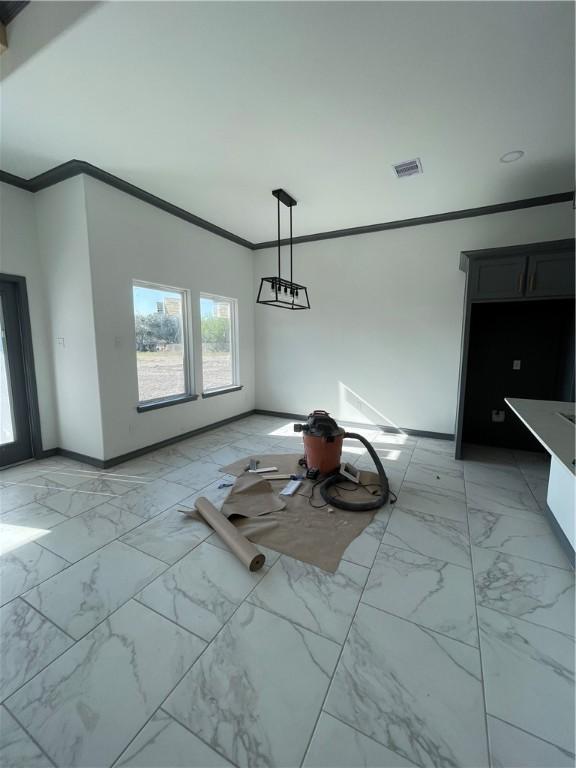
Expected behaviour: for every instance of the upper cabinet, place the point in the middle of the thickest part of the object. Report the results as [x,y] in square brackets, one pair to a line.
[550,274]
[493,278]
[539,270]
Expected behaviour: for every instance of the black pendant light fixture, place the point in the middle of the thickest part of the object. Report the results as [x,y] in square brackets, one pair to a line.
[277,291]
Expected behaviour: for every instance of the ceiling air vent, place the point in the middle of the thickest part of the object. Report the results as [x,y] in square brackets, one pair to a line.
[409,168]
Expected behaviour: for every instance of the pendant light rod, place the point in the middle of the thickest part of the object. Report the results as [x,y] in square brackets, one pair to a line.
[290,243]
[278,291]
[283,197]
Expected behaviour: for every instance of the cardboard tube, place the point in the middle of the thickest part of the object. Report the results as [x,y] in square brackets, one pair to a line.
[244,550]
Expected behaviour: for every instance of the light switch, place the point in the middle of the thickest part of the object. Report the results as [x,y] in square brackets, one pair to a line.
[498,416]
[516,365]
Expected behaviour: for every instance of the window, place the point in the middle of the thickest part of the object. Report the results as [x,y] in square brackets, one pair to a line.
[162,349]
[219,347]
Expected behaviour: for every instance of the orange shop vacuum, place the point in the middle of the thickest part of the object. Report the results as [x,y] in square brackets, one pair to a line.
[323,440]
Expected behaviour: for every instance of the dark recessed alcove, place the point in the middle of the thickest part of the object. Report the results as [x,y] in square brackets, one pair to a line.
[538,334]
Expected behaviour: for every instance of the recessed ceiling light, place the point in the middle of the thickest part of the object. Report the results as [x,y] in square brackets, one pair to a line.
[511,157]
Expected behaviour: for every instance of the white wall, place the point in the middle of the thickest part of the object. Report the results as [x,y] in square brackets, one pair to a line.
[19,256]
[381,343]
[63,247]
[131,240]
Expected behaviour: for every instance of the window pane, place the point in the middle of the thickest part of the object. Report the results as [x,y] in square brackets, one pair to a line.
[160,350]
[218,364]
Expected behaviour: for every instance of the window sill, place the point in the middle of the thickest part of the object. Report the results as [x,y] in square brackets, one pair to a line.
[144,407]
[225,391]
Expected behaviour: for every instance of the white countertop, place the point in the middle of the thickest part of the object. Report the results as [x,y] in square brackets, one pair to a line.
[543,418]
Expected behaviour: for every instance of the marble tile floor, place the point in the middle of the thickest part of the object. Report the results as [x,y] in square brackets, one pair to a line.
[131,636]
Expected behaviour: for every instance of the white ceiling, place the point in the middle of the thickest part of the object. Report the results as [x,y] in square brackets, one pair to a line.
[211,105]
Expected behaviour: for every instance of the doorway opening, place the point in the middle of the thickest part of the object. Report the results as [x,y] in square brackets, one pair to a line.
[517,349]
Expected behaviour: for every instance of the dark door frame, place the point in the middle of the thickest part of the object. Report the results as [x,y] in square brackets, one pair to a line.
[28,360]
[466,257]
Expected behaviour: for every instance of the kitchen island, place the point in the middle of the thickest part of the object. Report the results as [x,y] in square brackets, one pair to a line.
[552,424]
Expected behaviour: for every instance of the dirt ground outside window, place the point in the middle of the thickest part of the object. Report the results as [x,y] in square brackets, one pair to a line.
[161,374]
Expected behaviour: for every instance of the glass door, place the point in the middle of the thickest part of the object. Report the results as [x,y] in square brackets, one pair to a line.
[15,436]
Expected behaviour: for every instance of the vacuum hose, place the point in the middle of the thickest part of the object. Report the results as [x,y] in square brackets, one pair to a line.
[358,506]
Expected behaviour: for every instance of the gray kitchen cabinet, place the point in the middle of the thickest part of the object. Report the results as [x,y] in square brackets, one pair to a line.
[533,271]
[497,278]
[527,274]
[550,274]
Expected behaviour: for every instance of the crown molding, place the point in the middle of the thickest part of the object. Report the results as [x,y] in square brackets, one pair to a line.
[466,213]
[77,167]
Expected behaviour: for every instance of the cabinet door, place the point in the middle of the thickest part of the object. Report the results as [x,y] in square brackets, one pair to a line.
[497,277]
[551,274]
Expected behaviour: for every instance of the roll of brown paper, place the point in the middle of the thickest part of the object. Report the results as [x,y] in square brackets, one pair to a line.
[244,550]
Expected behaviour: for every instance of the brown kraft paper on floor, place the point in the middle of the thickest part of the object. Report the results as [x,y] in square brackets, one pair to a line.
[313,535]
[286,463]
[252,496]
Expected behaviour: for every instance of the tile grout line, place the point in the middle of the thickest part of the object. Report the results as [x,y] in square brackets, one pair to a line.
[158,708]
[117,538]
[439,492]
[505,554]
[534,736]
[208,644]
[420,626]
[482,682]
[538,503]
[481,663]
[167,618]
[147,554]
[526,621]
[132,597]
[121,605]
[520,557]
[44,546]
[47,549]
[285,618]
[477,605]
[526,512]
[105,618]
[75,641]
[40,504]
[196,736]
[72,517]
[40,671]
[342,647]
[32,739]
[46,618]
[364,736]
[183,629]
[416,552]
[431,557]
[44,549]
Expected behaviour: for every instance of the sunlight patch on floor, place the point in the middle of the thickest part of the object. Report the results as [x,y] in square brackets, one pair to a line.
[14,536]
